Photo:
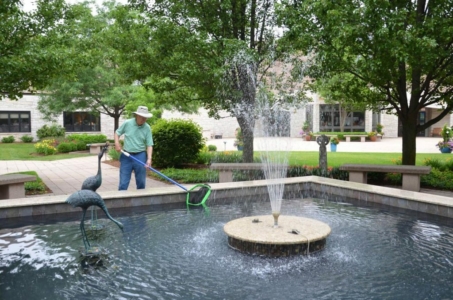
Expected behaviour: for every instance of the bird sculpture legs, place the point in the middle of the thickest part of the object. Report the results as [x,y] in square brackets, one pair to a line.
[84,234]
[94,218]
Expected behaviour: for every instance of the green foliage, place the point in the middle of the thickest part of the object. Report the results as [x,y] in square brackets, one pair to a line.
[114,155]
[190,175]
[26,139]
[403,45]
[8,139]
[176,142]
[379,128]
[212,148]
[66,147]
[51,131]
[438,179]
[35,187]
[30,51]
[446,133]
[88,138]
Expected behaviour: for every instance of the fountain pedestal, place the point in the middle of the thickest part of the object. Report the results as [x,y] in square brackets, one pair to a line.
[293,236]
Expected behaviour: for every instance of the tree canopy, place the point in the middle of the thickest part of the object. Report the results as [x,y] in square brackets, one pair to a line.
[401,50]
[217,53]
[30,53]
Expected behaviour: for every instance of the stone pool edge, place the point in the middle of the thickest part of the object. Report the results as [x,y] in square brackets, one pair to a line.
[296,186]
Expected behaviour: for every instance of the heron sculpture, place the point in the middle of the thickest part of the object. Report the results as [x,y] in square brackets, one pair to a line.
[92,183]
[85,199]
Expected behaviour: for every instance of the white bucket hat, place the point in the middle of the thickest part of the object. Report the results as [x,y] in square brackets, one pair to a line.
[143,111]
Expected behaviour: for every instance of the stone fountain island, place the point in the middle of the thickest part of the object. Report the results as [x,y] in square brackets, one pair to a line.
[258,235]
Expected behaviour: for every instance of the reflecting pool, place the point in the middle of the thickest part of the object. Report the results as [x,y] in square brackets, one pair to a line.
[175,253]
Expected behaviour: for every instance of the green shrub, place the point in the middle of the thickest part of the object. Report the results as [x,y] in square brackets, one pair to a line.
[51,131]
[65,147]
[88,138]
[176,142]
[204,158]
[26,139]
[8,139]
[212,148]
[190,175]
[438,179]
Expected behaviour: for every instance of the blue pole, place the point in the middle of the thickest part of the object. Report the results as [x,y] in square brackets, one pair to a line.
[154,170]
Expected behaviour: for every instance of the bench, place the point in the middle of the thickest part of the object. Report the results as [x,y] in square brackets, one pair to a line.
[436,131]
[226,169]
[411,174]
[13,185]
[349,136]
[96,147]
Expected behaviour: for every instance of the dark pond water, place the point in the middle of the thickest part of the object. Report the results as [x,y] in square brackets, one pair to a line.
[180,254]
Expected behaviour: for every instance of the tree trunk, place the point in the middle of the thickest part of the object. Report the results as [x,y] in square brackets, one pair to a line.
[409,139]
[247,127]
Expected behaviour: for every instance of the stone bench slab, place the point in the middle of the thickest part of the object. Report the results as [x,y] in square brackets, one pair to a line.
[13,185]
[349,136]
[411,174]
[95,148]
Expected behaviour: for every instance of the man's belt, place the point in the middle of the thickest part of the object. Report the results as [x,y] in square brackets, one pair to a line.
[135,153]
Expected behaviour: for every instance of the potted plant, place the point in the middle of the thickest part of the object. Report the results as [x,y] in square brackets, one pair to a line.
[306,133]
[239,142]
[379,128]
[444,147]
[372,136]
[334,141]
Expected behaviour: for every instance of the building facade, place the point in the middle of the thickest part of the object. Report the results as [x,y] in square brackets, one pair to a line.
[22,117]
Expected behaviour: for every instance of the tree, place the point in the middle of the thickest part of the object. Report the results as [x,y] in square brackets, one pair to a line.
[402,50]
[29,45]
[99,83]
[216,53]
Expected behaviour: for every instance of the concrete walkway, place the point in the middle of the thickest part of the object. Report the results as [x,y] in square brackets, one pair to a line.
[65,177]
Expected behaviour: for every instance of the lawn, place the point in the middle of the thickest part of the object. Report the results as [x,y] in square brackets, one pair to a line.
[336,159]
[26,151]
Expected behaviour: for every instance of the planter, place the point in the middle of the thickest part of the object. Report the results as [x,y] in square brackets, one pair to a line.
[308,137]
[373,138]
[240,148]
[333,147]
[445,150]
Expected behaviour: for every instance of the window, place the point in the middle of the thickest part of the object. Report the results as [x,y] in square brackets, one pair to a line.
[81,121]
[15,121]
[331,119]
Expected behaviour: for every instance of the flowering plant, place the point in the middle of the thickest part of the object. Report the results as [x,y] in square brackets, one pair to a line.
[334,140]
[442,144]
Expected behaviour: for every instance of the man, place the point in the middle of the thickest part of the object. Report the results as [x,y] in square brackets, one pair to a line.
[138,142]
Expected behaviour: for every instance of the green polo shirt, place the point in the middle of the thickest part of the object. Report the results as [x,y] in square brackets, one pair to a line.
[136,138]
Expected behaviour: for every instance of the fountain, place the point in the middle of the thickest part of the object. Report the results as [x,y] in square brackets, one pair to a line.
[275,235]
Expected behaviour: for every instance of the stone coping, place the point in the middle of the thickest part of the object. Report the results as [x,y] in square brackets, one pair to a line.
[425,203]
[15,178]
